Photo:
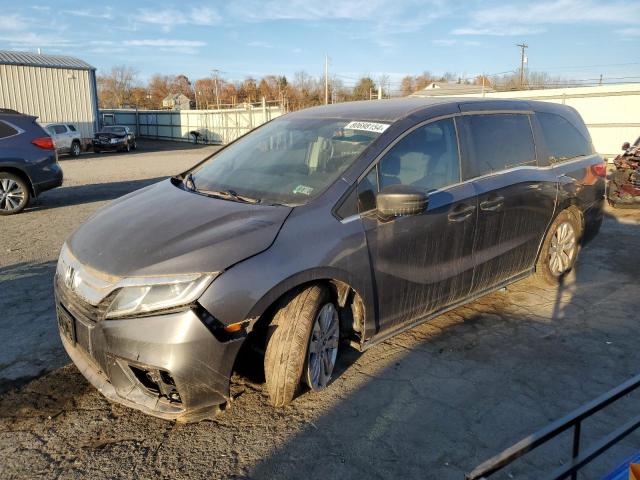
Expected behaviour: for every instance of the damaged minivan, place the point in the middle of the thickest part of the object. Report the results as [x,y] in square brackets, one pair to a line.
[328,228]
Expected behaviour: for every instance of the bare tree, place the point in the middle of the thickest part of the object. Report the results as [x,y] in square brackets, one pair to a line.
[114,88]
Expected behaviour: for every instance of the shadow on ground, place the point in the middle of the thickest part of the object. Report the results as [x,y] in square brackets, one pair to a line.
[28,323]
[452,393]
[81,194]
[431,403]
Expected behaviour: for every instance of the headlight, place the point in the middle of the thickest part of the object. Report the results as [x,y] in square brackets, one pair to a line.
[144,295]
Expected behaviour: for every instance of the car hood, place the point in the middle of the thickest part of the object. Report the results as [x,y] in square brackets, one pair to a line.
[164,230]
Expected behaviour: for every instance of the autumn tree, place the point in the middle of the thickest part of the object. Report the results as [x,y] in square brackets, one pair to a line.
[114,88]
[363,89]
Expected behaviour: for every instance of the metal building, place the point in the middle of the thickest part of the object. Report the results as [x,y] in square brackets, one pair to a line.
[54,88]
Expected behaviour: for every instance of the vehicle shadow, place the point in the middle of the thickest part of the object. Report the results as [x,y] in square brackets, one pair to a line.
[28,323]
[81,194]
[437,400]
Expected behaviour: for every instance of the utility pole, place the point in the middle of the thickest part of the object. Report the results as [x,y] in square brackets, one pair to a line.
[326,79]
[215,72]
[523,46]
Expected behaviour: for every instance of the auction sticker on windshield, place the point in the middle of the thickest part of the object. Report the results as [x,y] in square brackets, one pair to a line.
[366,126]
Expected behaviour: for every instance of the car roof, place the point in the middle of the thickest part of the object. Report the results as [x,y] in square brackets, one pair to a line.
[395,109]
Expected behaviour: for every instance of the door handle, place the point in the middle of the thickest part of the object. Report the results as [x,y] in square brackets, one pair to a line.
[461,214]
[492,205]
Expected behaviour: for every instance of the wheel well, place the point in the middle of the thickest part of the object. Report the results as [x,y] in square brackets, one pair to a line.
[350,309]
[576,213]
[19,173]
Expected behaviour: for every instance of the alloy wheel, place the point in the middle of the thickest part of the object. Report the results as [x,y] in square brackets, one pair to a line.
[562,249]
[323,347]
[12,195]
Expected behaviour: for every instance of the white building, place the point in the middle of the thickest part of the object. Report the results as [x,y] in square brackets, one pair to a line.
[52,87]
[611,112]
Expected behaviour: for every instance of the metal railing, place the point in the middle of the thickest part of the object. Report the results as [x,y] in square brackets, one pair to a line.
[573,420]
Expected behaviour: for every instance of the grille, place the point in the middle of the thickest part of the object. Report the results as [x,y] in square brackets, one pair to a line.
[77,307]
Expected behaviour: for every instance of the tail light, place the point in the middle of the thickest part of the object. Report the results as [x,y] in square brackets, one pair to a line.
[46,143]
[599,169]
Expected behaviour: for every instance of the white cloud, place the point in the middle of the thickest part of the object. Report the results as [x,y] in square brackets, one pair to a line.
[630,32]
[450,42]
[259,44]
[103,14]
[498,30]
[34,40]
[561,11]
[163,42]
[170,18]
[531,18]
[12,23]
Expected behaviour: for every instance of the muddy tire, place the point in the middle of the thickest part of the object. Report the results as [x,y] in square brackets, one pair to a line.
[560,249]
[287,357]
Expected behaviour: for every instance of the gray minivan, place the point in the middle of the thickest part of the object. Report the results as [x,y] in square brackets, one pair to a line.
[328,227]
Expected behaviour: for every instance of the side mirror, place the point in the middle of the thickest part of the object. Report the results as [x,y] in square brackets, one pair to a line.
[626,146]
[400,200]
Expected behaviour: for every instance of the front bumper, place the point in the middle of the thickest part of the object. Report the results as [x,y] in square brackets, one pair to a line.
[170,366]
[98,145]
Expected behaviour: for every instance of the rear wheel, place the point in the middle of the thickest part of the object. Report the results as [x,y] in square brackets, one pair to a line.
[560,248]
[302,345]
[75,149]
[14,194]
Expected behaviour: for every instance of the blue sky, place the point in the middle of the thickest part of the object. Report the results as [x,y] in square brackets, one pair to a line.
[574,38]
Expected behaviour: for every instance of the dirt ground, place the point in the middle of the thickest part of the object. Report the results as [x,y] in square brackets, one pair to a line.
[430,403]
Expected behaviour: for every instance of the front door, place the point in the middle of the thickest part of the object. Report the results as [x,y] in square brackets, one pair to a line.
[423,262]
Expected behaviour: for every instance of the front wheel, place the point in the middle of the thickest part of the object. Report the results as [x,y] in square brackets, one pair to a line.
[75,149]
[302,345]
[560,249]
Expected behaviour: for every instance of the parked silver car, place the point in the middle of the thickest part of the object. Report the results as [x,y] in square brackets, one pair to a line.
[66,138]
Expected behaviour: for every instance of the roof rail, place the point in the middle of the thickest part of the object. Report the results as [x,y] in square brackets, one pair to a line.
[9,111]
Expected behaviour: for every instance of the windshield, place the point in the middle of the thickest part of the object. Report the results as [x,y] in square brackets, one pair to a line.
[118,130]
[286,161]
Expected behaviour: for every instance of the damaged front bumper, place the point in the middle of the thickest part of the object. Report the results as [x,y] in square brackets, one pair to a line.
[167,365]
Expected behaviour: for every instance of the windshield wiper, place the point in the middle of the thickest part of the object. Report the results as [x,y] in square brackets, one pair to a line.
[230,194]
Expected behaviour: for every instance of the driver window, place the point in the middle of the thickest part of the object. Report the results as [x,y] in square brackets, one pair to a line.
[427,158]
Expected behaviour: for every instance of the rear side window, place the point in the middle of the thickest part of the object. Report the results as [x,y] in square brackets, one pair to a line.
[564,141]
[496,142]
[7,130]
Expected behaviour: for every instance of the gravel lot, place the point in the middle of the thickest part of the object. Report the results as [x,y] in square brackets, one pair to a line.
[430,403]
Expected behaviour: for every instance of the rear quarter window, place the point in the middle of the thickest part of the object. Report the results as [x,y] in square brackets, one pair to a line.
[6,130]
[496,142]
[564,141]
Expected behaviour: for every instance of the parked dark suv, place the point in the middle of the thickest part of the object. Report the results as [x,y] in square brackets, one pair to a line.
[28,161]
[336,225]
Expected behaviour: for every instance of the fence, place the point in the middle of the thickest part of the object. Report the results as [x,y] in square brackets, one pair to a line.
[213,126]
